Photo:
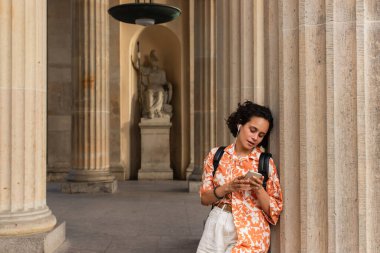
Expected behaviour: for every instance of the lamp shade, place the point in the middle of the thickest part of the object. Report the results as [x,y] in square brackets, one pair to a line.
[144,13]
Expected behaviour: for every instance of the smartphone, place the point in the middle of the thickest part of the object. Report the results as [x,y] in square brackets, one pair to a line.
[252,173]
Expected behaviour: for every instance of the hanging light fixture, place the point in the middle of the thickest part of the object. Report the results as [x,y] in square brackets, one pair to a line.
[142,13]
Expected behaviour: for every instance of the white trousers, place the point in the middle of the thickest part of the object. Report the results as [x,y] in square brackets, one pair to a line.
[219,234]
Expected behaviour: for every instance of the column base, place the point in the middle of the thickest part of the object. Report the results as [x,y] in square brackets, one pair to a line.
[39,243]
[57,174]
[155,175]
[189,170]
[194,186]
[24,223]
[80,175]
[118,172]
[89,187]
[195,179]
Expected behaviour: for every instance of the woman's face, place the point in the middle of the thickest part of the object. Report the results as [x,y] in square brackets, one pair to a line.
[252,133]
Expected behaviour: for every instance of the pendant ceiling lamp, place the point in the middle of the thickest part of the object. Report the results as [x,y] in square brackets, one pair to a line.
[144,13]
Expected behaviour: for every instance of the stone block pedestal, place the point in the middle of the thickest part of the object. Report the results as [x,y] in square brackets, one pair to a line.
[89,187]
[37,243]
[195,178]
[194,186]
[155,149]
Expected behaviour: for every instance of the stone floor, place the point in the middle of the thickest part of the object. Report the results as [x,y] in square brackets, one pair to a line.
[143,216]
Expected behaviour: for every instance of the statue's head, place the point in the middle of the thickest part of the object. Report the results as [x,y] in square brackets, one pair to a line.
[153,57]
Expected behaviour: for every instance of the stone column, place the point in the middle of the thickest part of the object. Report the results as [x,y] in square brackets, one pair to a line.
[329,110]
[342,125]
[90,139]
[239,57]
[204,90]
[23,120]
[258,65]
[229,69]
[369,153]
[23,209]
[289,125]
[223,70]
[271,91]
[313,154]
[190,167]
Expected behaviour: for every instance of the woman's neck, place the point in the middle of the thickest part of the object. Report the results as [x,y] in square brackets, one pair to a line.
[240,151]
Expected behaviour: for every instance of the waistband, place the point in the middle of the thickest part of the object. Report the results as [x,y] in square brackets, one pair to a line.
[225,207]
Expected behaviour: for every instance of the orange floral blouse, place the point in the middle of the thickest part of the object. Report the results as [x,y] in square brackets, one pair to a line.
[252,223]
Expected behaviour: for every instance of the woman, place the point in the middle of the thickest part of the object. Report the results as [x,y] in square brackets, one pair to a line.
[243,209]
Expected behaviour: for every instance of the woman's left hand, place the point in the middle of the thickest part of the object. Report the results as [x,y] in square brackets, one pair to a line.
[255,183]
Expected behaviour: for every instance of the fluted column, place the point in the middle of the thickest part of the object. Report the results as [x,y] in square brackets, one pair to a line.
[229,42]
[271,90]
[223,72]
[204,90]
[369,186]
[289,125]
[90,138]
[190,167]
[258,31]
[23,208]
[342,124]
[329,104]
[238,53]
[313,155]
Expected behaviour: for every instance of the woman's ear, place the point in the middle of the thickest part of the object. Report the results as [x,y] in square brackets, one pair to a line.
[238,127]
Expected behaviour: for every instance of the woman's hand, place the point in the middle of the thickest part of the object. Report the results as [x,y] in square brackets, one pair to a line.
[256,183]
[262,197]
[242,184]
[238,184]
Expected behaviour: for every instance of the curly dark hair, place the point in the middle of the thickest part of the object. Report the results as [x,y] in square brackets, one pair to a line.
[244,113]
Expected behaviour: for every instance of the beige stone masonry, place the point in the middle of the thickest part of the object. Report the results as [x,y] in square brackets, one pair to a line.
[155,149]
[313,155]
[321,82]
[203,108]
[342,124]
[190,167]
[329,111]
[289,127]
[228,66]
[369,187]
[23,208]
[90,138]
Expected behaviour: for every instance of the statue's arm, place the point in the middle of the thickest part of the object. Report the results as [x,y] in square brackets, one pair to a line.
[170,91]
[135,65]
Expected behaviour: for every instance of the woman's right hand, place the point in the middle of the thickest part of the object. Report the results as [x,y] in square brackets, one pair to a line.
[238,184]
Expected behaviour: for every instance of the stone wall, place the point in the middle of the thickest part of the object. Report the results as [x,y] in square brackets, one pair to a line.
[321,82]
[60,91]
[327,99]
[114,93]
[59,95]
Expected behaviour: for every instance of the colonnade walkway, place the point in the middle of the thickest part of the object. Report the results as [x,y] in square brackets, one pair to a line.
[143,216]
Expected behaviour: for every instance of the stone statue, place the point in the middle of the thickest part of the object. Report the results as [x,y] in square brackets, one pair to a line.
[155,91]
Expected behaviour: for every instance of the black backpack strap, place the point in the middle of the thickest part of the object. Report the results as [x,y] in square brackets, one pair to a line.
[218,155]
[215,162]
[264,167]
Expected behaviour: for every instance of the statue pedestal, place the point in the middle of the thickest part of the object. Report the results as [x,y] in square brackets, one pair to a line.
[155,149]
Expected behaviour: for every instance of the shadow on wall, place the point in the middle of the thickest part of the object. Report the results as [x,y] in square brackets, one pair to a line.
[131,131]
